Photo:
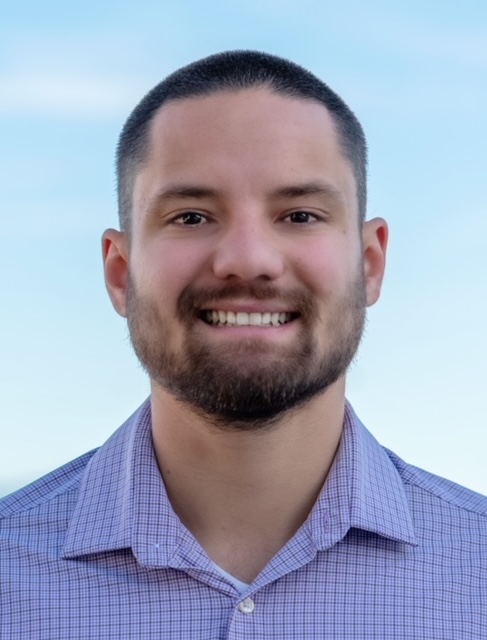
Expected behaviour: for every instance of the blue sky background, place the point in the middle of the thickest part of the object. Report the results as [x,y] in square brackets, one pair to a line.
[415,74]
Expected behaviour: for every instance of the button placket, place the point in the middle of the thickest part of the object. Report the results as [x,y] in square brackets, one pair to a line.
[247,605]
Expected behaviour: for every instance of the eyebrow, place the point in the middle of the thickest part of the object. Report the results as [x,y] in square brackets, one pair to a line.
[308,189]
[180,192]
[200,192]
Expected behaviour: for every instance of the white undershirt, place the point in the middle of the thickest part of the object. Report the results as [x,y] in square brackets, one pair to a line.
[238,584]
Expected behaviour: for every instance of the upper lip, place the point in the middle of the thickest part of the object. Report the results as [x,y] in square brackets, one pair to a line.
[248,306]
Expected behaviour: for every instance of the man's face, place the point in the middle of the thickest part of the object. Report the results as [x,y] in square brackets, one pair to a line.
[247,276]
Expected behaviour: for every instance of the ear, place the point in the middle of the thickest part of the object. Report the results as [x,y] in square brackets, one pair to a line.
[115,261]
[374,237]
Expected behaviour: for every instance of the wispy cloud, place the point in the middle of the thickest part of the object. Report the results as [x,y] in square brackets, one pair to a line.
[78,76]
[75,95]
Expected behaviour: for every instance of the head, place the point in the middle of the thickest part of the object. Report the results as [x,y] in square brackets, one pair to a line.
[244,265]
[233,71]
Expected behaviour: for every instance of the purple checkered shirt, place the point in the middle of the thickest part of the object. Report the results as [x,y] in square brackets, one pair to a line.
[95,551]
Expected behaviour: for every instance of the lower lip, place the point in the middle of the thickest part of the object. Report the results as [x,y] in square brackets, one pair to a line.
[249,331]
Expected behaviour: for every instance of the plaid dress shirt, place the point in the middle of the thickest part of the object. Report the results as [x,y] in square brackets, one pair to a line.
[95,551]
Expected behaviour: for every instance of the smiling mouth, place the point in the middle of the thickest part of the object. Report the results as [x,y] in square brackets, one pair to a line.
[244,319]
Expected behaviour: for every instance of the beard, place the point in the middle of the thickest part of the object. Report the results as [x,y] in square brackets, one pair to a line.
[248,385]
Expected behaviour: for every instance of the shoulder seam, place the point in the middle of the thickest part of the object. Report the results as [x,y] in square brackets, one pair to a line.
[23,504]
[43,500]
[445,499]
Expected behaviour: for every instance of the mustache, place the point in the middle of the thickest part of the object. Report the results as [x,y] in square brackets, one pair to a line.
[192,300]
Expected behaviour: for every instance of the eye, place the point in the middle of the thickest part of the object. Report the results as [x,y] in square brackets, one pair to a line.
[302,217]
[190,219]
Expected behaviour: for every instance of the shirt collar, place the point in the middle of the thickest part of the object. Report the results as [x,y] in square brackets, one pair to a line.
[123,503]
[122,500]
[363,490]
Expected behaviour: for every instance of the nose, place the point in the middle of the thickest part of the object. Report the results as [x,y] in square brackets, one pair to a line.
[248,250]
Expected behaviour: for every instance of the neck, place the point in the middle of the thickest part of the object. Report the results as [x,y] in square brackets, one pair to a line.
[245,490]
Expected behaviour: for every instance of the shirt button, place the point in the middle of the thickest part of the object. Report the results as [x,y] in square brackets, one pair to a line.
[247,605]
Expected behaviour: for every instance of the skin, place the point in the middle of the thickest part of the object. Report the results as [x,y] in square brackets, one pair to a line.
[243,494]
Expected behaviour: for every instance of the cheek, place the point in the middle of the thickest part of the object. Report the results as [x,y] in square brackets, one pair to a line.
[326,267]
[164,270]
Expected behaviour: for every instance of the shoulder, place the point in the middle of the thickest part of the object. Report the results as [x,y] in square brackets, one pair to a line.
[57,488]
[437,498]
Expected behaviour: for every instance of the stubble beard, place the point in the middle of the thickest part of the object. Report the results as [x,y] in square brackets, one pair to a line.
[246,386]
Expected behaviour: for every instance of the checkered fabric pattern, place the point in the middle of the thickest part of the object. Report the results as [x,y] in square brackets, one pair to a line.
[95,551]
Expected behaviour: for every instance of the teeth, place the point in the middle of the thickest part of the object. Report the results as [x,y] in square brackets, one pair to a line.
[255,319]
[244,319]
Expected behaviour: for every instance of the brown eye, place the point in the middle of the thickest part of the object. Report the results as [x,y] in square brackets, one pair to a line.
[190,218]
[301,217]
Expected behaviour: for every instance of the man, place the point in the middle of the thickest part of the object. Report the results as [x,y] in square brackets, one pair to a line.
[244,499]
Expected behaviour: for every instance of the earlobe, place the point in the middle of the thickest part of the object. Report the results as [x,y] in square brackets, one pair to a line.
[115,261]
[375,235]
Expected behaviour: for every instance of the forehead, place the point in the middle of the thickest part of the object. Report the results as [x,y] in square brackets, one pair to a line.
[251,138]
[241,112]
